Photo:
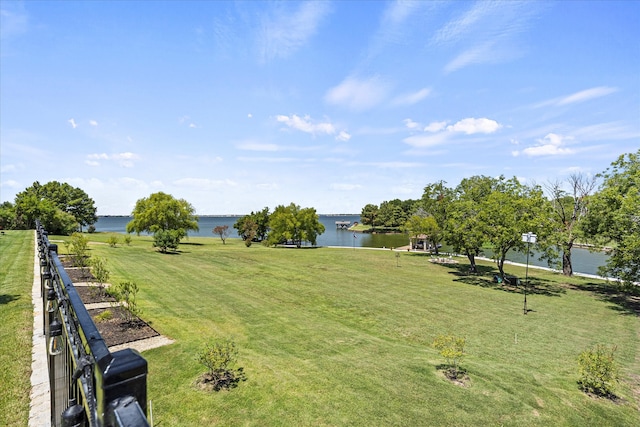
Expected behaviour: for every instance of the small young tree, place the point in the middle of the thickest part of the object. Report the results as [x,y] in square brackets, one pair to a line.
[598,370]
[126,293]
[452,349]
[167,239]
[100,272]
[127,240]
[219,357]
[78,248]
[222,231]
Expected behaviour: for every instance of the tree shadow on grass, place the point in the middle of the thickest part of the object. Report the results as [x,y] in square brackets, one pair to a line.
[6,299]
[485,277]
[621,302]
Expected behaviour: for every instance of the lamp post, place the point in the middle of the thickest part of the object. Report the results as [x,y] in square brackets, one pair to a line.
[529,238]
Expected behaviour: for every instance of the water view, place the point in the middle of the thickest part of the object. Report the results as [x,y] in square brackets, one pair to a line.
[583,261]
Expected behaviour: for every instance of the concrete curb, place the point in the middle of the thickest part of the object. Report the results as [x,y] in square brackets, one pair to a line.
[40,407]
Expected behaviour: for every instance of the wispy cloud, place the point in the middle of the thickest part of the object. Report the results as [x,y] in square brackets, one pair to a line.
[358,94]
[256,146]
[282,33]
[14,19]
[73,123]
[486,32]
[123,159]
[581,96]
[412,98]
[307,125]
[345,187]
[204,184]
[93,123]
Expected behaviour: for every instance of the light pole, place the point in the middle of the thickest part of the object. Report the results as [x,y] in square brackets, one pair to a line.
[529,238]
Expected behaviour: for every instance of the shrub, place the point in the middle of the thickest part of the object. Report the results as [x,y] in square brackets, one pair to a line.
[112,240]
[127,240]
[91,229]
[452,349]
[167,239]
[219,357]
[598,370]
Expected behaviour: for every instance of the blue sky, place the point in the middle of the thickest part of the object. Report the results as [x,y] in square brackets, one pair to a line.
[235,106]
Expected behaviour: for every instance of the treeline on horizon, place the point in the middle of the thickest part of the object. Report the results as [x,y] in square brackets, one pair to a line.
[480,211]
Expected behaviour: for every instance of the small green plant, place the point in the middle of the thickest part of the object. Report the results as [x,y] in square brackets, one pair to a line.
[104,316]
[598,370]
[219,357]
[125,293]
[452,349]
[127,240]
[100,272]
[112,240]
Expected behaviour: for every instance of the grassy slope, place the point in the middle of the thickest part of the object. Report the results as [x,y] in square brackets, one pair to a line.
[342,336]
[16,323]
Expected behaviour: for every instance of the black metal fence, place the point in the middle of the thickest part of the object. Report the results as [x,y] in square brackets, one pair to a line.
[90,386]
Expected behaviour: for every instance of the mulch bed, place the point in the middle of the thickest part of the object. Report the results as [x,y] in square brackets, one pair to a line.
[115,330]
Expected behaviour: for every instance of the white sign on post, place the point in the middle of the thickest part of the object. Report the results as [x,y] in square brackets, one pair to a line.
[529,237]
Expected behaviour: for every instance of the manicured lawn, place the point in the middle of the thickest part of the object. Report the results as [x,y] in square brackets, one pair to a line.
[343,337]
[16,325]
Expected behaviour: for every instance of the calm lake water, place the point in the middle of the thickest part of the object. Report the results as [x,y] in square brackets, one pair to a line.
[583,260]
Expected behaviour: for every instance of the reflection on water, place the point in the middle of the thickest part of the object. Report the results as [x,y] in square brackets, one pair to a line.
[583,260]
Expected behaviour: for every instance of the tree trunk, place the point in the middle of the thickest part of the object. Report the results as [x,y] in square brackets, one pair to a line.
[472,262]
[500,263]
[567,268]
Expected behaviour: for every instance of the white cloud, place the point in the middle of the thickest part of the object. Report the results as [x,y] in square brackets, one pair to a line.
[72,123]
[431,140]
[343,136]
[123,159]
[551,145]
[283,33]
[249,115]
[472,125]
[93,123]
[438,133]
[435,126]
[305,124]
[358,94]
[412,98]
[410,124]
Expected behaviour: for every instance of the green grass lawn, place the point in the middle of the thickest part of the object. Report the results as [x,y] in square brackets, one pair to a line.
[333,337]
[16,325]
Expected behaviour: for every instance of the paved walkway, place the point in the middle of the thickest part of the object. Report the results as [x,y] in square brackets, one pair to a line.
[40,408]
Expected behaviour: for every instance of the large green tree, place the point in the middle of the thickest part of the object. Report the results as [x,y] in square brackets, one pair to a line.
[254,226]
[510,210]
[163,212]
[464,230]
[61,207]
[569,208]
[614,218]
[293,224]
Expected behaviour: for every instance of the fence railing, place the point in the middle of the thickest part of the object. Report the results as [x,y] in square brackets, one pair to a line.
[90,386]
